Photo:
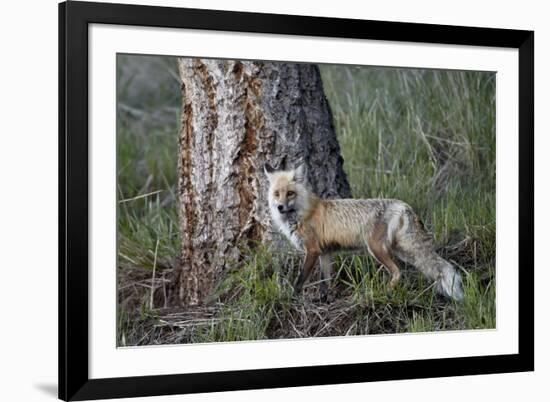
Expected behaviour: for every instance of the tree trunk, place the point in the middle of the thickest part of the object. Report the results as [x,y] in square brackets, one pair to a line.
[235,117]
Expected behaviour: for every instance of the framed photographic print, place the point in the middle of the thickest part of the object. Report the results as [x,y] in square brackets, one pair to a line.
[258,200]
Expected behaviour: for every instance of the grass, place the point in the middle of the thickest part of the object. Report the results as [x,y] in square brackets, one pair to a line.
[426,137]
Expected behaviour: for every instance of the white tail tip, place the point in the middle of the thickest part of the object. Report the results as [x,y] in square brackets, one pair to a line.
[450,283]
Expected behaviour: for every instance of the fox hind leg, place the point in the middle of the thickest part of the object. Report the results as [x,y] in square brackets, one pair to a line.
[383,256]
[379,249]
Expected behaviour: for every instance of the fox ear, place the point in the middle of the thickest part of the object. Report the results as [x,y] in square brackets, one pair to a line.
[268,170]
[300,174]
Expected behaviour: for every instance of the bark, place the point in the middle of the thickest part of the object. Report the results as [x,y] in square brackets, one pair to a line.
[235,117]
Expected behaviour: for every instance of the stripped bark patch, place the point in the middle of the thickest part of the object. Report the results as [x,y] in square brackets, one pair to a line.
[208,85]
[212,119]
[245,167]
[238,70]
[187,204]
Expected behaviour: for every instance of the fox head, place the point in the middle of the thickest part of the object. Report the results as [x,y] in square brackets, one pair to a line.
[288,191]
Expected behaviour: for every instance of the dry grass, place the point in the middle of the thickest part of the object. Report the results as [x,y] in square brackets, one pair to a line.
[255,301]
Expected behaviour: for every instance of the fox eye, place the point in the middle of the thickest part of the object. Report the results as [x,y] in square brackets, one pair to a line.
[276,193]
[291,194]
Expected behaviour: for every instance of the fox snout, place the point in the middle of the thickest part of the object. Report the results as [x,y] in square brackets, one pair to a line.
[284,208]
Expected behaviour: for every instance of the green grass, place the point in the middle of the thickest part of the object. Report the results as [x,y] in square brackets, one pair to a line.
[148,97]
[426,137]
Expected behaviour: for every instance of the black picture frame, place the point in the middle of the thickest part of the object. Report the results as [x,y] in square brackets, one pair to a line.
[74,18]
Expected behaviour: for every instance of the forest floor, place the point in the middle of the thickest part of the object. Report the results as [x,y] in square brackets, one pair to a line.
[426,137]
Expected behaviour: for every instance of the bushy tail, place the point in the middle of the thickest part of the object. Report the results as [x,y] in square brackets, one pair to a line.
[449,283]
[415,246]
[447,279]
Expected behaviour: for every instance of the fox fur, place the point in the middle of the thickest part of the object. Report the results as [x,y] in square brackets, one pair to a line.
[387,228]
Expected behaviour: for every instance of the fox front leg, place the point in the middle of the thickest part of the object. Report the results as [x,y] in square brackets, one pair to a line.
[307,268]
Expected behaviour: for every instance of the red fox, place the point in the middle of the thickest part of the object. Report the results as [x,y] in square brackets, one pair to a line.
[387,228]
